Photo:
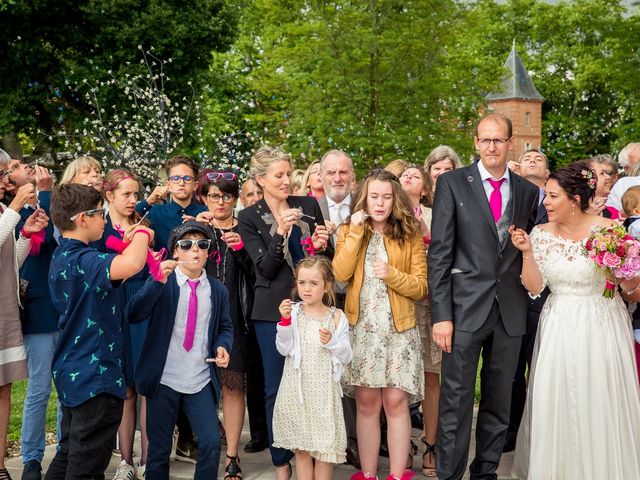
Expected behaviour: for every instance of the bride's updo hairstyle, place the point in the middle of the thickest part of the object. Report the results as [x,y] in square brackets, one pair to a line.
[577,179]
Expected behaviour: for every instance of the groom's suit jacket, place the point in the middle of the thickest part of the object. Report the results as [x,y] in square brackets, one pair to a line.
[468,265]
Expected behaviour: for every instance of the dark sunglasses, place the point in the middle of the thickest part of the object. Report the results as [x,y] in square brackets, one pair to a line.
[187,244]
[213,176]
[90,213]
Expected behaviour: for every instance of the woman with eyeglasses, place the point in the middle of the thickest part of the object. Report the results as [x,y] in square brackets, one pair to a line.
[606,170]
[278,232]
[13,252]
[230,263]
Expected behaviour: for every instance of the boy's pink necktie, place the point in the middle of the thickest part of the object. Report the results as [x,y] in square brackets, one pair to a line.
[192,316]
[495,200]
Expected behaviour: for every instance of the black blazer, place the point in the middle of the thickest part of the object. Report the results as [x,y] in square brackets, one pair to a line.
[274,273]
[468,266]
[158,302]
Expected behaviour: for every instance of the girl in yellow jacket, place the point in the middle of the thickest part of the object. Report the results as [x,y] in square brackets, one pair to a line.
[380,254]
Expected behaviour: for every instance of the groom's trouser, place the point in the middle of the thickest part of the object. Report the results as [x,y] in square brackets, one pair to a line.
[499,360]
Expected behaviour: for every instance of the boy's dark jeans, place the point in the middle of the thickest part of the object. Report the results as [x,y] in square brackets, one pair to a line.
[162,412]
[87,438]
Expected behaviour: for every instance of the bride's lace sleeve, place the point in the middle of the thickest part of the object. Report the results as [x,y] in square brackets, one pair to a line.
[540,245]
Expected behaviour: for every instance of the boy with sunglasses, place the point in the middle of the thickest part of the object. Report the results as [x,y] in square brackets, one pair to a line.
[182,182]
[87,363]
[190,334]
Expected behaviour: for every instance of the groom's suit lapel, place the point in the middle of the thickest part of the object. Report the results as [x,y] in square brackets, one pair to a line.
[475,181]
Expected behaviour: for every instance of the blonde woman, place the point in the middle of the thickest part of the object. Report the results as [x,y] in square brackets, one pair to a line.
[312,181]
[83,170]
[278,232]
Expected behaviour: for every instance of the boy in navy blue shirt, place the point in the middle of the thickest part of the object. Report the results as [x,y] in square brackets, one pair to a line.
[182,182]
[87,363]
[190,334]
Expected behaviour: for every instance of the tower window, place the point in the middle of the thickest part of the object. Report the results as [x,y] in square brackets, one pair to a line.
[527,118]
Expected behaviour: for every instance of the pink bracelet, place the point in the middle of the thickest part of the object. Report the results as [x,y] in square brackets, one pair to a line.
[25,234]
[239,246]
[142,231]
[284,322]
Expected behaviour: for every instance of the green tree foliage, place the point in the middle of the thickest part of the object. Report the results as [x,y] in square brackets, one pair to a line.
[580,55]
[48,47]
[371,77]
[384,79]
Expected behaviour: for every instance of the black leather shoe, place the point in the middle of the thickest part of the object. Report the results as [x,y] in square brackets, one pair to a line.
[353,457]
[256,445]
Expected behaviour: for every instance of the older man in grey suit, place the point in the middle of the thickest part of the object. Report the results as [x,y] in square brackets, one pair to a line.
[336,170]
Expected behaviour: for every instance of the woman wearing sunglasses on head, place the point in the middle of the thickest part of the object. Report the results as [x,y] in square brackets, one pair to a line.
[229,263]
[278,231]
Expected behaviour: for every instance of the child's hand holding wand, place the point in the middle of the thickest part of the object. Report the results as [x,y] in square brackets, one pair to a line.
[221,359]
[166,268]
[285,312]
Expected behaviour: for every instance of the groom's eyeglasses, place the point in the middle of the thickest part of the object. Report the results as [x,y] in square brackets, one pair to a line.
[498,142]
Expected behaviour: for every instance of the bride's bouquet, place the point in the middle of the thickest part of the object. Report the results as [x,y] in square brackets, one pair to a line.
[614,252]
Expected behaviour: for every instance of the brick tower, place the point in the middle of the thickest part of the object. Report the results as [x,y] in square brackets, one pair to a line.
[519,100]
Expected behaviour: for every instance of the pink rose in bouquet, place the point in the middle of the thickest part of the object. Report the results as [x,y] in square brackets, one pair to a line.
[614,252]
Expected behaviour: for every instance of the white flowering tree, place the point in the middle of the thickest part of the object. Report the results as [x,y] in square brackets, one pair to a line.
[143,136]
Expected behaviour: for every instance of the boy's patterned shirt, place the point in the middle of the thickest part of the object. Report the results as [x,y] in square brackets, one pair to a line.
[88,359]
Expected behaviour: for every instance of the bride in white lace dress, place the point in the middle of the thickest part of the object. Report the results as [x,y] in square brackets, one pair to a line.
[582,416]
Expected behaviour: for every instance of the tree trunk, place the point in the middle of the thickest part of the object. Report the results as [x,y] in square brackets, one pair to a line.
[11,145]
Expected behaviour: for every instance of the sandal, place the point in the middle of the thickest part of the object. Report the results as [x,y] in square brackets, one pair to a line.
[4,474]
[232,470]
[430,453]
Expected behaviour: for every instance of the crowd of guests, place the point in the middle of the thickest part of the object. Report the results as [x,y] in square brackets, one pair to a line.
[304,298]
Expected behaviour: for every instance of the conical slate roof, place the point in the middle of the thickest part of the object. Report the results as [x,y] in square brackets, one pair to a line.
[517,84]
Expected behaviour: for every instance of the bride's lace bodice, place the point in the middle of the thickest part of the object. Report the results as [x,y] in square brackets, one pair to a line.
[565,269]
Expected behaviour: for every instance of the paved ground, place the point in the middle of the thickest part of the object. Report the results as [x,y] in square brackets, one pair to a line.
[255,466]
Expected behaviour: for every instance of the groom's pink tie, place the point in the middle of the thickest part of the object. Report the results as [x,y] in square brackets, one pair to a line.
[192,316]
[495,200]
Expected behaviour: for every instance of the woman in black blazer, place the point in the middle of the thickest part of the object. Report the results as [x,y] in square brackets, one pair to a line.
[278,232]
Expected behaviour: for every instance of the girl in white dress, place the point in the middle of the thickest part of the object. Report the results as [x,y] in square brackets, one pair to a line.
[582,416]
[314,336]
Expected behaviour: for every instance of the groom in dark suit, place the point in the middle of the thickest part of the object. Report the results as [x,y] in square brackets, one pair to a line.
[478,304]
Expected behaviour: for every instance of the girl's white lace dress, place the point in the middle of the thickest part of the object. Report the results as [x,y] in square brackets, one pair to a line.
[582,416]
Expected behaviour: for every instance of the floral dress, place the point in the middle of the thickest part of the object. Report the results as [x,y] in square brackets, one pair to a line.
[315,422]
[382,357]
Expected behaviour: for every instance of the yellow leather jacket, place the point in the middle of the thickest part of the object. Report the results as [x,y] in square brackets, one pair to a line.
[406,281]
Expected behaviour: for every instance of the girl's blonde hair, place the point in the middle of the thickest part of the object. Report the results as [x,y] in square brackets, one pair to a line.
[401,224]
[76,167]
[396,167]
[324,265]
[296,182]
[305,179]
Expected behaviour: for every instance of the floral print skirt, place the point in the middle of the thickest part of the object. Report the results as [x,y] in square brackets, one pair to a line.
[382,356]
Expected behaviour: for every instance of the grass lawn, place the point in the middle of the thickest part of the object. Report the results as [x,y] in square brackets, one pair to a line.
[18,392]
